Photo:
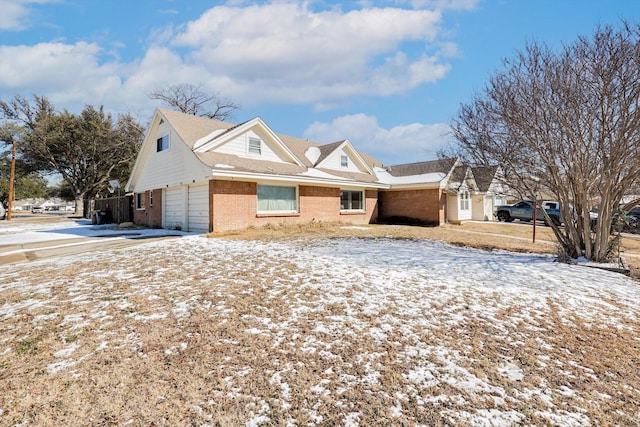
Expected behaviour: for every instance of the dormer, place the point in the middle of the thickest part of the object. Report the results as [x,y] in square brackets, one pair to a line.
[341,156]
[252,139]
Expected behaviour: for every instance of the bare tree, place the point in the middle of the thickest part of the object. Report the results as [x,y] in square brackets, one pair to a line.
[191,99]
[565,123]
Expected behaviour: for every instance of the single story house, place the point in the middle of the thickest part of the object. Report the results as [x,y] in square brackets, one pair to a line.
[198,174]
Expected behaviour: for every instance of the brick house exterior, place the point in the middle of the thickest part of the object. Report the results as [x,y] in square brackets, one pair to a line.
[149,215]
[252,177]
[199,174]
[426,206]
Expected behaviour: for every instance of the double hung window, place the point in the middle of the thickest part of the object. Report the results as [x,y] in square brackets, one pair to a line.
[351,200]
[464,201]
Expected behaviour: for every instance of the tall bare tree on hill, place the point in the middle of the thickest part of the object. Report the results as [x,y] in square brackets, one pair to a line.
[192,99]
[565,123]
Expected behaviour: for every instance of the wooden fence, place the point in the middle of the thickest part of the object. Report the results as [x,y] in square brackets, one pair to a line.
[115,209]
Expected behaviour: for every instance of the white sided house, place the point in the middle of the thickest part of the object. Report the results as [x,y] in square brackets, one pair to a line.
[198,174]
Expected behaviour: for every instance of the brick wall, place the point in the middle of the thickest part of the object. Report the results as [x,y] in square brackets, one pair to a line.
[232,204]
[421,205]
[234,207]
[150,215]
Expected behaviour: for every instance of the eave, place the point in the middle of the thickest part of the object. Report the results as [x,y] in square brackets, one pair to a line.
[252,176]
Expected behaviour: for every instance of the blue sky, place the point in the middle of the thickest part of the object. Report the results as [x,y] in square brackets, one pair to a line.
[387,75]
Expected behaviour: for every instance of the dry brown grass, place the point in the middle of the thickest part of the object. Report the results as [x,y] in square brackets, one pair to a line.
[250,344]
[515,237]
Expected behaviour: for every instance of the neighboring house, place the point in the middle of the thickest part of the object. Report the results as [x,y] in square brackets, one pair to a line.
[25,205]
[55,204]
[416,192]
[491,192]
[199,174]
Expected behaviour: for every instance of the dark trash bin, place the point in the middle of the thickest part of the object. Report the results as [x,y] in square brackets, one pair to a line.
[101,217]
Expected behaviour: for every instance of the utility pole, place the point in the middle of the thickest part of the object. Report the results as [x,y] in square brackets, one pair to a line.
[12,177]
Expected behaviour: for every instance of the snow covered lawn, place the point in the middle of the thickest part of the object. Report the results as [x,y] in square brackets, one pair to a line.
[348,331]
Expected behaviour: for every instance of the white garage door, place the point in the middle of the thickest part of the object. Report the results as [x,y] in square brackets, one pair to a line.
[199,208]
[174,207]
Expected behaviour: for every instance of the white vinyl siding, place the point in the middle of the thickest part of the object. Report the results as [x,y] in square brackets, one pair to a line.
[243,147]
[167,170]
[341,161]
[162,143]
[198,214]
[277,199]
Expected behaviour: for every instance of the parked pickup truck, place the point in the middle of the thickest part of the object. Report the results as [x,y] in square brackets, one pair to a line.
[524,212]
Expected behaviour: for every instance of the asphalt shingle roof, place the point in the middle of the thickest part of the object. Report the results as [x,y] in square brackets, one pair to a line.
[422,168]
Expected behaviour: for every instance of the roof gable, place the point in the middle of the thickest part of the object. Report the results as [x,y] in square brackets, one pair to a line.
[484,176]
[192,128]
[218,138]
[330,152]
[461,178]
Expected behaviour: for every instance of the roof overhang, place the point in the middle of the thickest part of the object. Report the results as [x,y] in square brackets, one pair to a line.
[415,186]
[298,179]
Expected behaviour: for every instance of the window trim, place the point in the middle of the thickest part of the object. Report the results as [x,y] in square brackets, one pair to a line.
[139,202]
[344,161]
[465,198]
[363,208]
[296,211]
[150,198]
[256,151]
[160,143]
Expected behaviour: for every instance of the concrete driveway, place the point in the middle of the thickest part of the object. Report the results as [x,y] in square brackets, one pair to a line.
[27,239]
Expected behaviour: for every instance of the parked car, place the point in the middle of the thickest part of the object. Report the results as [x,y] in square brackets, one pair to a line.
[37,209]
[524,212]
[3,212]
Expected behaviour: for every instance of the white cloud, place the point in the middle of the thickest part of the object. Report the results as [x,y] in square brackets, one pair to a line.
[66,73]
[446,4]
[15,13]
[400,144]
[288,52]
[281,52]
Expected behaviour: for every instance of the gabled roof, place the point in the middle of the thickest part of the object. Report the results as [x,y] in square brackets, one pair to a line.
[230,162]
[429,174]
[345,145]
[484,176]
[190,127]
[460,176]
[202,136]
[216,139]
[327,149]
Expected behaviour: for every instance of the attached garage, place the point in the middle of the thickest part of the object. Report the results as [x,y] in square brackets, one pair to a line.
[173,215]
[198,208]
